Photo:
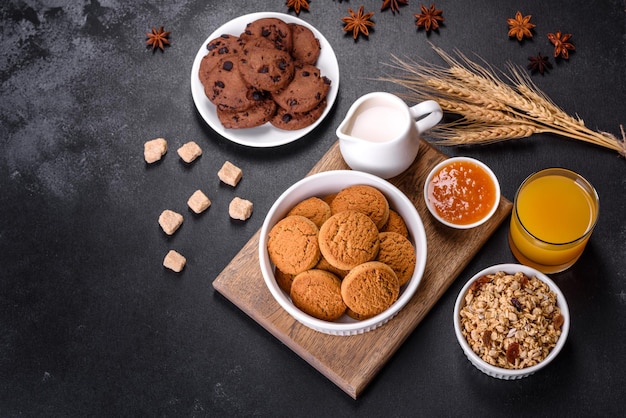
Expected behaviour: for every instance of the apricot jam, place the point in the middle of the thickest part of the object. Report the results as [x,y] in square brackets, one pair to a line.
[462,192]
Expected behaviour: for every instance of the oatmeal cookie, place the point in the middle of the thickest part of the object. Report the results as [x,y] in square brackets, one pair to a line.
[329,198]
[323,264]
[398,253]
[313,208]
[284,280]
[318,293]
[370,288]
[293,244]
[348,239]
[357,316]
[395,224]
[365,199]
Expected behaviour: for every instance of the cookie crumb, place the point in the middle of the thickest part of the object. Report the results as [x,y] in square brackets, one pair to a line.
[230,174]
[174,261]
[198,202]
[240,209]
[189,152]
[170,221]
[154,149]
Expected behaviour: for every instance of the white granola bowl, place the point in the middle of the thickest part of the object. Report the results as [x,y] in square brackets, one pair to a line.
[434,212]
[499,372]
[326,183]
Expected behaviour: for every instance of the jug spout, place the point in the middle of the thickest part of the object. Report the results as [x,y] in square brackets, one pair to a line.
[344,131]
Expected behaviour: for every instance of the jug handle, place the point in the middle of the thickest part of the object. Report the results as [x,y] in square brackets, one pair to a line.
[430,113]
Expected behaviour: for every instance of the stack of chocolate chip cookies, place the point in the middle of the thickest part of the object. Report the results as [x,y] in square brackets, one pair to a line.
[266,74]
[347,253]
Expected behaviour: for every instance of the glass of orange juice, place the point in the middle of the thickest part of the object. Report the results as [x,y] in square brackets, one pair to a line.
[554,213]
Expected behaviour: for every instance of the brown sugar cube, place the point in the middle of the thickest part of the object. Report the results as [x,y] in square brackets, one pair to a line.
[170,221]
[230,174]
[174,261]
[154,149]
[198,202]
[189,152]
[240,209]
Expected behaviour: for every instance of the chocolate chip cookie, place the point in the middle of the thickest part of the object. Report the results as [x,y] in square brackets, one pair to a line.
[305,91]
[266,68]
[220,47]
[272,29]
[291,121]
[256,115]
[306,47]
[225,87]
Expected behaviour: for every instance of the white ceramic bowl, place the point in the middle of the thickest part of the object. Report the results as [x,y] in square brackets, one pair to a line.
[432,209]
[326,183]
[499,372]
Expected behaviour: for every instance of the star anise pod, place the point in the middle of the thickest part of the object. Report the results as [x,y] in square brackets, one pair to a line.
[539,64]
[296,5]
[358,23]
[394,5]
[561,46]
[157,39]
[520,27]
[430,18]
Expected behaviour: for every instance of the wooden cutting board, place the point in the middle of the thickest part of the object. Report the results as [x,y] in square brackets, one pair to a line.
[352,362]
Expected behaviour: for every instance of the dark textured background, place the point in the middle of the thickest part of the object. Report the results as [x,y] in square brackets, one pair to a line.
[92,324]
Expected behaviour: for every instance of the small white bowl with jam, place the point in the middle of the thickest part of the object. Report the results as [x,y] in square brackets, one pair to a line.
[462,192]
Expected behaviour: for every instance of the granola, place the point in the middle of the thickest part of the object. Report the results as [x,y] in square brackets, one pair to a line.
[511,320]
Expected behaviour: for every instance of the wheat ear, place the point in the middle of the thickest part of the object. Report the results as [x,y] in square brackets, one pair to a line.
[493,105]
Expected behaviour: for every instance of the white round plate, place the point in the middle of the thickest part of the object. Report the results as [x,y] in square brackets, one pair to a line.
[265,135]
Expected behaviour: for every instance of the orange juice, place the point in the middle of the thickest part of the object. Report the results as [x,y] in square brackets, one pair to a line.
[554,213]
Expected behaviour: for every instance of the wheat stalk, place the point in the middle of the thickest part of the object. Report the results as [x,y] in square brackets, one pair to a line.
[493,106]
[486,134]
